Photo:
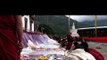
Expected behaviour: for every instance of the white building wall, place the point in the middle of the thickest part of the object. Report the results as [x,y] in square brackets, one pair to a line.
[33,26]
[28,22]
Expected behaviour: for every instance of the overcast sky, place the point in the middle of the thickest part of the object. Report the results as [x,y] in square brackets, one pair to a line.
[87,17]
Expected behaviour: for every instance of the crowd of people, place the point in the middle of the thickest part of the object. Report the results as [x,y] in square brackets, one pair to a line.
[75,44]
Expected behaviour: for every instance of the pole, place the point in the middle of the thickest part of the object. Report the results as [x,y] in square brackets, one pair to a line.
[95,24]
[69,23]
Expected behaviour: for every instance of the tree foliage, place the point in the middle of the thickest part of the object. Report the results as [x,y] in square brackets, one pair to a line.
[46,29]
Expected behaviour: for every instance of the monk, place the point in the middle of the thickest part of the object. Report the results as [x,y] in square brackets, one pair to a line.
[69,39]
[10,37]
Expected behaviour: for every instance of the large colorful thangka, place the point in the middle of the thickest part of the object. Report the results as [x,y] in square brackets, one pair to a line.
[37,45]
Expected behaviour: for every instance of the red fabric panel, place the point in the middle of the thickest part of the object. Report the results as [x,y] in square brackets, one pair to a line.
[99,39]
[96,54]
[8,39]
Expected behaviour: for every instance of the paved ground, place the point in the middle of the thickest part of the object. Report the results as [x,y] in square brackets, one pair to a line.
[100,47]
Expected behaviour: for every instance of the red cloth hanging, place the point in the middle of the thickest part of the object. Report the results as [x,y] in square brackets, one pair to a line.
[8,40]
[96,54]
[98,39]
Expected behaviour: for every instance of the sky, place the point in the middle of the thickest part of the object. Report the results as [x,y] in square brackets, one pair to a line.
[81,18]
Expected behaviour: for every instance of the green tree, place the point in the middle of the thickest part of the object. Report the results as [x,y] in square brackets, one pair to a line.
[46,29]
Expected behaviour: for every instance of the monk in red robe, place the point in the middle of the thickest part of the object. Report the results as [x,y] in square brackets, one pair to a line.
[10,37]
[69,39]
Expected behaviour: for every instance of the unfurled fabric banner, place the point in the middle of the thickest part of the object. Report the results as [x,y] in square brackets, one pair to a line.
[38,39]
[35,38]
